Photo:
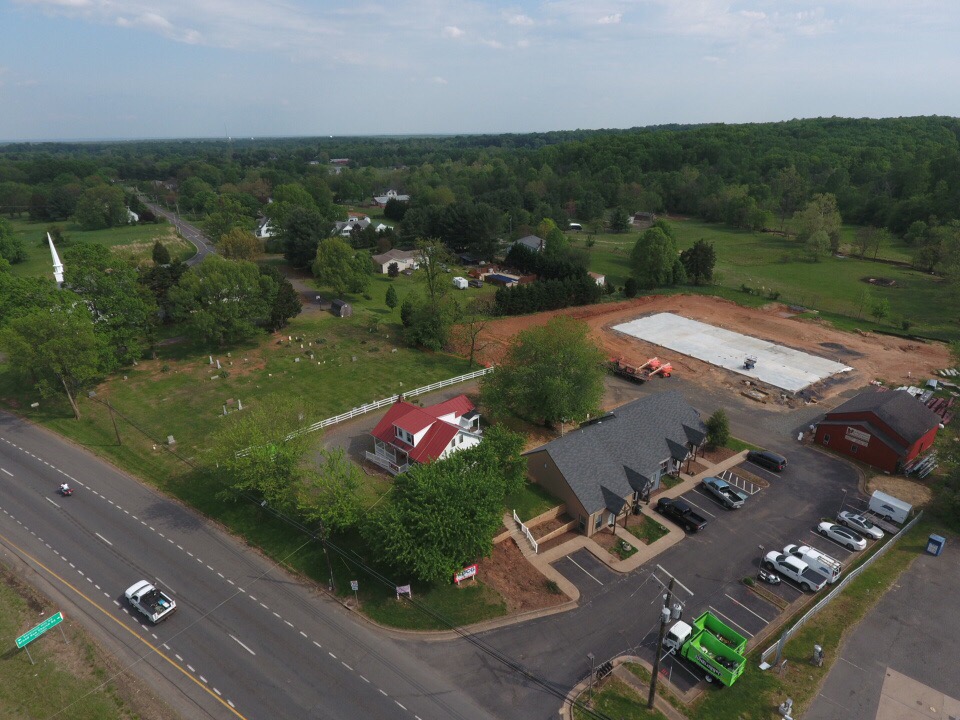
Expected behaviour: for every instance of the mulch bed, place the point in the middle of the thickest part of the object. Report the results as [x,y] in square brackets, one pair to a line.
[695,468]
[559,540]
[718,454]
[549,526]
[522,586]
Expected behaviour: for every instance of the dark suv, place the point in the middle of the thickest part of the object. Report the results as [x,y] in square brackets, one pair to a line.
[767,459]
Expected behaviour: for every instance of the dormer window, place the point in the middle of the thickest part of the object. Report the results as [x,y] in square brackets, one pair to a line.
[405,436]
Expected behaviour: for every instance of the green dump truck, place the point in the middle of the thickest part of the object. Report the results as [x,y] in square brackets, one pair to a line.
[711,645]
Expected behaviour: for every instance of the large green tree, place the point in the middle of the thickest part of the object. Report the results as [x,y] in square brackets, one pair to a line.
[820,215]
[55,349]
[286,303]
[699,261]
[240,244]
[654,260]
[552,374]
[222,301]
[301,234]
[101,207]
[329,493]
[11,248]
[123,310]
[443,515]
[341,267]
[257,453]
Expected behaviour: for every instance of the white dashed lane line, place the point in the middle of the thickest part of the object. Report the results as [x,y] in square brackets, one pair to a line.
[104,539]
[242,645]
[7,472]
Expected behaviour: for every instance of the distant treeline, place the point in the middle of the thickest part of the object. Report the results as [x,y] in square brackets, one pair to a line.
[884,173]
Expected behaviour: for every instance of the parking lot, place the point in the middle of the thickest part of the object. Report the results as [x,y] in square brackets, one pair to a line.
[714,562]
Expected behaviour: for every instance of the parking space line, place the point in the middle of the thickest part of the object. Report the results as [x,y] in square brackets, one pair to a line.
[759,617]
[727,618]
[830,540]
[699,508]
[582,568]
[716,502]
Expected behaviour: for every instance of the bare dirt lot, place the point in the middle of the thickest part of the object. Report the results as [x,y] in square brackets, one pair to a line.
[521,584]
[872,356]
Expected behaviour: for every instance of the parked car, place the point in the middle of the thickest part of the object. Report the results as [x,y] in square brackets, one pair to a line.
[860,524]
[725,493]
[842,535]
[681,513]
[795,569]
[767,459]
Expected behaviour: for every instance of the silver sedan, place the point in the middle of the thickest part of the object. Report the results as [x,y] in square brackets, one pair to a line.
[860,524]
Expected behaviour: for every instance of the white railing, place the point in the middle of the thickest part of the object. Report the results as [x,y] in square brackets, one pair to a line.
[370,407]
[387,464]
[526,531]
[778,647]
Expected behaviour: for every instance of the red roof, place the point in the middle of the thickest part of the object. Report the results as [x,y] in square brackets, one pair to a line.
[414,419]
[460,405]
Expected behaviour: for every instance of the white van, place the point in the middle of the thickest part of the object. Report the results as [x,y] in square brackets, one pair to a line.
[890,508]
[822,563]
[575,227]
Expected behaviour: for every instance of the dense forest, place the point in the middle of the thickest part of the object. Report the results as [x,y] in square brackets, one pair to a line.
[884,173]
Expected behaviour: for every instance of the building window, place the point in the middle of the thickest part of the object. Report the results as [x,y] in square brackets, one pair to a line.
[597,521]
[854,449]
[826,439]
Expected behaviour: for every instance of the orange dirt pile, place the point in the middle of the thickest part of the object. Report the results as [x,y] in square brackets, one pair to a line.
[872,356]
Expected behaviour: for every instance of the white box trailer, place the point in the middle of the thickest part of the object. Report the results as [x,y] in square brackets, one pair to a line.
[460,283]
[890,508]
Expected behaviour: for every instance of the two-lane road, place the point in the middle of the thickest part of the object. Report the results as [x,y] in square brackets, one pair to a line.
[248,640]
[190,232]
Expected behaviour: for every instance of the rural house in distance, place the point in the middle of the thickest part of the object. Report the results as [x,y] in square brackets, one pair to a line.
[410,434]
[605,467]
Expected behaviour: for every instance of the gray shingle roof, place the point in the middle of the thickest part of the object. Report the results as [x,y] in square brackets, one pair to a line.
[618,453]
[904,414]
[531,242]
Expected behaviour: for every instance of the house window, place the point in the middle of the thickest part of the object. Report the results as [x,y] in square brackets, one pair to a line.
[664,466]
[598,521]
[826,439]
[405,436]
[854,449]
[611,520]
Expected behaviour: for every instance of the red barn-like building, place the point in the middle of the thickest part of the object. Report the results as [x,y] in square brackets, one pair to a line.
[883,429]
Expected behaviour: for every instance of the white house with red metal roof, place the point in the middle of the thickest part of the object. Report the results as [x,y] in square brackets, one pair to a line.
[410,434]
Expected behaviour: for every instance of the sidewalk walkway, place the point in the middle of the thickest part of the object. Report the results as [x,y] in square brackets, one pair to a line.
[644,552]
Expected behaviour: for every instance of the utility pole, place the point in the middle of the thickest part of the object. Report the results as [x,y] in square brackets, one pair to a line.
[664,621]
[326,554]
[114,420]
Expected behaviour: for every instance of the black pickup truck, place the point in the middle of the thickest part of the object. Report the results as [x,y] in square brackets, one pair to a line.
[681,513]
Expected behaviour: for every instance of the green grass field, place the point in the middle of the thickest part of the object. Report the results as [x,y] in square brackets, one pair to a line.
[64,681]
[134,241]
[769,264]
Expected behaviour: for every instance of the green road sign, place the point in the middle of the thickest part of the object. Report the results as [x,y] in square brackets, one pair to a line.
[32,634]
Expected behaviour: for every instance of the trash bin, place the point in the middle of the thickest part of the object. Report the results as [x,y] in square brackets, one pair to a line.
[935,544]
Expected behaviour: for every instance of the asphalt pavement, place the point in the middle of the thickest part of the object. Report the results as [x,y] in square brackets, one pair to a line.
[190,232]
[912,631]
[248,640]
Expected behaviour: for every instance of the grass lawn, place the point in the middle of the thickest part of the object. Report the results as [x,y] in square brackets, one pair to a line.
[530,500]
[134,241]
[618,700]
[738,445]
[768,263]
[65,675]
[648,531]
[756,692]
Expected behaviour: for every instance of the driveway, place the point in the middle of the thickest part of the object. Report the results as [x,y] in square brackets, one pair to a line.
[901,661]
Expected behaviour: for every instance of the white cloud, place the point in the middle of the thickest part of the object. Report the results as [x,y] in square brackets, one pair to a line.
[452,31]
[520,19]
[610,19]
[438,80]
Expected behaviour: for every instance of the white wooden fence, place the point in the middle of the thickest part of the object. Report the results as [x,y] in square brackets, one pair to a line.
[526,531]
[778,647]
[370,407]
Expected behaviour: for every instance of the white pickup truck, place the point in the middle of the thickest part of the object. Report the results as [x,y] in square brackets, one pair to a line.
[150,601]
[795,569]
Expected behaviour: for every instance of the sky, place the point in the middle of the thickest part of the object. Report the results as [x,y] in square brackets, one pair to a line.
[113,69]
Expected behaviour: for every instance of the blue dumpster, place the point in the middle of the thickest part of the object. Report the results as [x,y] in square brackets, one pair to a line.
[935,544]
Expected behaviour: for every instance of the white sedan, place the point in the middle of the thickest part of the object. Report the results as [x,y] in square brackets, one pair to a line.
[860,524]
[842,536]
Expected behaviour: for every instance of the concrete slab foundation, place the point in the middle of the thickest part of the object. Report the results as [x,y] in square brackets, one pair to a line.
[776,365]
